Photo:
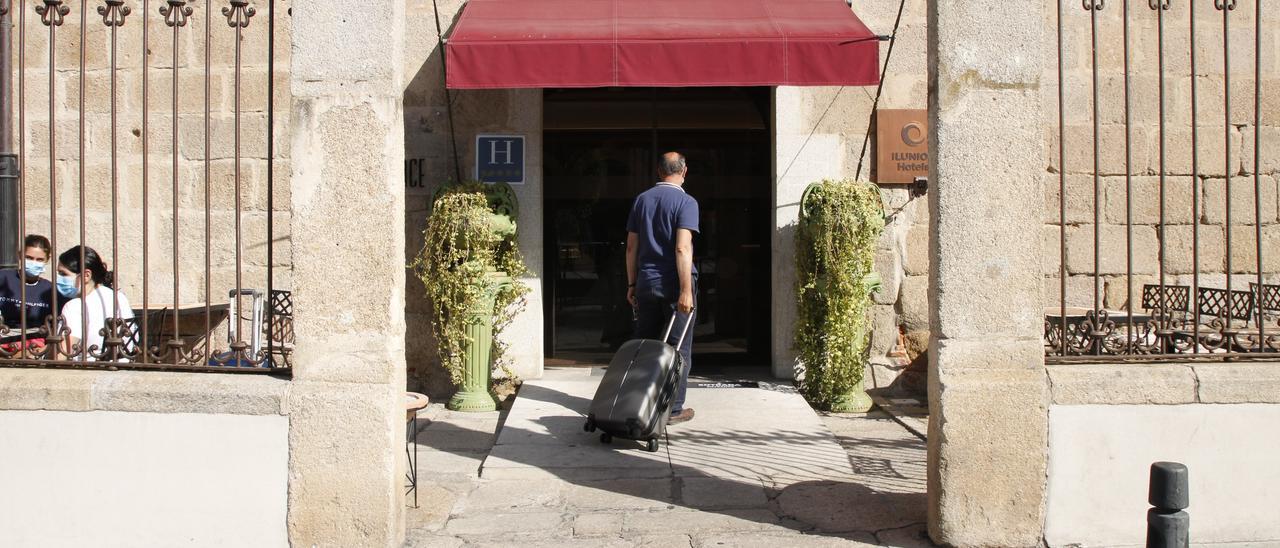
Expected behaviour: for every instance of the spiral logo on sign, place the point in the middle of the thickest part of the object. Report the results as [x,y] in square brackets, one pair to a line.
[913,135]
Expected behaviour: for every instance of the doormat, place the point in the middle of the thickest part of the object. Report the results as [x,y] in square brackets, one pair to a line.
[724,384]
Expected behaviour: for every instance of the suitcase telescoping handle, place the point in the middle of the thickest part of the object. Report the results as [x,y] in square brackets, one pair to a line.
[675,314]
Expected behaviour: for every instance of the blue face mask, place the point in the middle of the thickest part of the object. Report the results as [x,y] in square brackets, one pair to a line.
[34,268]
[67,286]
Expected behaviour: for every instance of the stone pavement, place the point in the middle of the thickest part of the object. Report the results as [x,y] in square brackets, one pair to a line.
[757,467]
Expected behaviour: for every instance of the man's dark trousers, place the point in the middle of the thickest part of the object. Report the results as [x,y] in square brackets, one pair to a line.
[653,314]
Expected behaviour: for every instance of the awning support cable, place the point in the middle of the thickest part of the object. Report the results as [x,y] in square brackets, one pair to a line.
[448,98]
[893,38]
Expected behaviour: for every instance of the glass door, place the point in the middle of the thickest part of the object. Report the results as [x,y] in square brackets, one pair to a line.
[592,178]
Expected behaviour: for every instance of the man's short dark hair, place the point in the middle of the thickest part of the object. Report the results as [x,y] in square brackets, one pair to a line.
[671,164]
[37,241]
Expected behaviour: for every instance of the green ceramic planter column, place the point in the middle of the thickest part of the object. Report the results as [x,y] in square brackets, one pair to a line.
[855,400]
[474,396]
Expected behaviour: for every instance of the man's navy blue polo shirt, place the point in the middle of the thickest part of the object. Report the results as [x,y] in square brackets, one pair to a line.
[655,217]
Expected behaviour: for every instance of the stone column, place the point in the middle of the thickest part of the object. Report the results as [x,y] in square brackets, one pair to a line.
[346,431]
[988,387]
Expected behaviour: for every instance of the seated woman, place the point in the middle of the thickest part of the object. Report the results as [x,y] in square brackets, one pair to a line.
[88,285]
[36,303]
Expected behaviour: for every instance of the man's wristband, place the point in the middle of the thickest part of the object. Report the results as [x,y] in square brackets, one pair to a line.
[631,285]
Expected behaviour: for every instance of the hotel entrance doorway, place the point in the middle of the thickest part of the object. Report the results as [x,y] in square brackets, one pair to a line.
[601,149]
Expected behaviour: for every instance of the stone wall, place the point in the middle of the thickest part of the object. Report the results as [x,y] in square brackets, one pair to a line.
[1108,424]
[162,492]
[339,422]
[911,235]
[988,391]
[819,134]
[427,138]
[1184,181]
[192,149]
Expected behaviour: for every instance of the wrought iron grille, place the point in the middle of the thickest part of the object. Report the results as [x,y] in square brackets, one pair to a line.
[1164,182]
[145,130]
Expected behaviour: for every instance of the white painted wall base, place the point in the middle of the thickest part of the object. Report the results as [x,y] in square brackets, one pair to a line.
[1099,457]
[106,478]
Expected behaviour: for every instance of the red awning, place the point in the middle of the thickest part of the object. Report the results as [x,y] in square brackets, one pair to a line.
[660,43]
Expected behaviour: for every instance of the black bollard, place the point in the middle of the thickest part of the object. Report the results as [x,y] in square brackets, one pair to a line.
[1168,524]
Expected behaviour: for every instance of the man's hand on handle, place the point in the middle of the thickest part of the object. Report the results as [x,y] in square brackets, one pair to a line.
[685,303]
[631,296]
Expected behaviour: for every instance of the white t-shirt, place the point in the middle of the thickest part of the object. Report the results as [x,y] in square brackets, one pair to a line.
[99,306]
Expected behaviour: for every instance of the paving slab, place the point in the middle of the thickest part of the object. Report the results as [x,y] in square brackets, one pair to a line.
[435,505]
[756,467]
[693,522]
[598,524]
[543,435]
[911,536]
[451,462]
[493,523]
[579,460]
[420,538]
[839,507]
[663,541]
[513,496]
[723,493]
[474,435]
[621,494]
[568,542]
[437,411]
[909,410]
[885,457]
[765,433]
[757,540]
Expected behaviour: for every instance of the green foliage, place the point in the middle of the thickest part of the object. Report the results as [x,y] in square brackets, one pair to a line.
[840,222]
[464,240]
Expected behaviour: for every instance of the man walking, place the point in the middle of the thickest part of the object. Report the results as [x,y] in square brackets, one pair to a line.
[660,271]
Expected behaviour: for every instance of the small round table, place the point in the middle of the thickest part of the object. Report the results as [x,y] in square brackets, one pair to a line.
[413,402]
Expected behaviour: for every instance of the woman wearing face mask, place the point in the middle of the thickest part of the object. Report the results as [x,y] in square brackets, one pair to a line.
[88,286]
[38,291]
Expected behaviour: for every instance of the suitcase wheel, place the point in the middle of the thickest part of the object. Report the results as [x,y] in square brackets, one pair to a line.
[606,438]
[589,426]
[653,446]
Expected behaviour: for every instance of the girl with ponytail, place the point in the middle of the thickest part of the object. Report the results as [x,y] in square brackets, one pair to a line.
[89,285]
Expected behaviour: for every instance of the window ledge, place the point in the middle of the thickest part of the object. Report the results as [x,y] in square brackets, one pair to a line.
[141,391]
[1165,383]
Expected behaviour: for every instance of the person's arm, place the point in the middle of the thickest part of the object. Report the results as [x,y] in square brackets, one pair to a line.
[684,268]
[633,249]
[70,319]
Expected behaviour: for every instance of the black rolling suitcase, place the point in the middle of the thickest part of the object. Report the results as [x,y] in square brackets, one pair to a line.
[634,398]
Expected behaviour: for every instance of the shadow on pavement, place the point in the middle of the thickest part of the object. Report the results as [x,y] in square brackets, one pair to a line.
[746,466]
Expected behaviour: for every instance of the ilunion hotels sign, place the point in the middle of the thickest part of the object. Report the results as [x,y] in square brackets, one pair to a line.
[902,145]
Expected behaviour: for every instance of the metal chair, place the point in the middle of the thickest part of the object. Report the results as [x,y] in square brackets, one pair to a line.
[1268,298]
[1214,303]
[280,326]
[1175,300]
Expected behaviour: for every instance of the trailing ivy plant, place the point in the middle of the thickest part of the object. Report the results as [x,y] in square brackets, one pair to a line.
[840,222]
[464,241]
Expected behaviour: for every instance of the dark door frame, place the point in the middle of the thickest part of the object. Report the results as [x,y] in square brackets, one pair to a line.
[764,102]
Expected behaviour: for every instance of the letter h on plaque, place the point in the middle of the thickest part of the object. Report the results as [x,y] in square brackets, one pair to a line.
[500,159]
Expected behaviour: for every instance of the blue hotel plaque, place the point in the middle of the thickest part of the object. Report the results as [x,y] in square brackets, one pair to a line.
[500,159]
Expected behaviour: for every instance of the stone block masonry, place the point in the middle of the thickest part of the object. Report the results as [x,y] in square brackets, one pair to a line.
[987,384]
[1194,175]
[346,434]
[194,90]
[820,135]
